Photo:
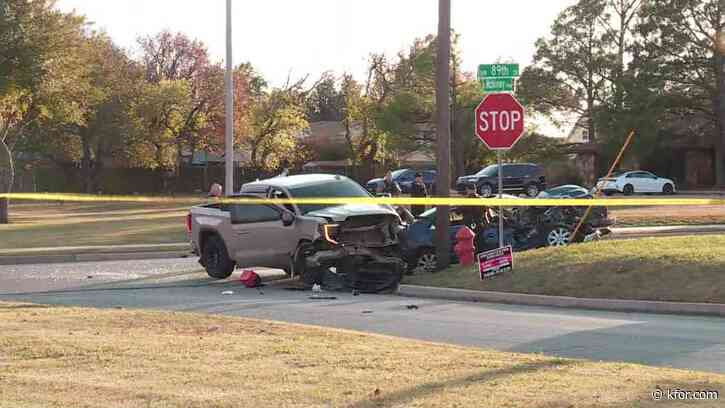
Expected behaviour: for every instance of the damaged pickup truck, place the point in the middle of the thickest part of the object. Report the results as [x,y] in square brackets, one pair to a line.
[350,246]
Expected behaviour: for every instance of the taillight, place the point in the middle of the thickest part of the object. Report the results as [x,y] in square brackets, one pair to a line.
[188,223]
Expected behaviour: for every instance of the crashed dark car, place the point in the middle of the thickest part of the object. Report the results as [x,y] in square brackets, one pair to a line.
[338,246]
[524,228]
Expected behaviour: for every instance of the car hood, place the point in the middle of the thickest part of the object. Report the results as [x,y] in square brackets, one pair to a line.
[343,212]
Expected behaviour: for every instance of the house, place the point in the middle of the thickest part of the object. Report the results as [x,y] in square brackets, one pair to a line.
[684,151]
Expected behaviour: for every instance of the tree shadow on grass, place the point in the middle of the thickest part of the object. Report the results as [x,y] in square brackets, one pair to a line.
[406,395]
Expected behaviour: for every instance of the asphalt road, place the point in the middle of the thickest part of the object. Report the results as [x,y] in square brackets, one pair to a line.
[660,340]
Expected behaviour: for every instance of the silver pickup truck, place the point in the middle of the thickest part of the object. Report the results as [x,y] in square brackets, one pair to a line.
[349,246]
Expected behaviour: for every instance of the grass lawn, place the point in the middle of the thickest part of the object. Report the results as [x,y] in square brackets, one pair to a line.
[69,224]
[71,357]
[668,215]
[679,269]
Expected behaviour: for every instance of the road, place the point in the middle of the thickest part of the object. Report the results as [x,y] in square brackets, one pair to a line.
[660,340]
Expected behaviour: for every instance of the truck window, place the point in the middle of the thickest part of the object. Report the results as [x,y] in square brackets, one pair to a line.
[252,213]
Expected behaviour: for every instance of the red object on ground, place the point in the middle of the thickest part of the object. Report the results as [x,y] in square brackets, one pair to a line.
[500,121]
[250,279]
[465,248]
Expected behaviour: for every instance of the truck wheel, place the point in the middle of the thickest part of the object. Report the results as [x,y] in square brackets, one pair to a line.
[216,258]
[309,276]
[532,190]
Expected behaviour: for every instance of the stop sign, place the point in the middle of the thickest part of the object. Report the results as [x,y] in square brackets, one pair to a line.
[499,121]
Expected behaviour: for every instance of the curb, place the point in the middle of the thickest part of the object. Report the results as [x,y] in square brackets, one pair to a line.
[100,257]
[616,305]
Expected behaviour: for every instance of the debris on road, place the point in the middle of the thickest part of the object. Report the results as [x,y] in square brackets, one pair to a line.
[227,292]
[412,307]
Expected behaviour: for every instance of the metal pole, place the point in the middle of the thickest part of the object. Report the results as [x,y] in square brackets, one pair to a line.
[500,196]
[443,99]
[229,85]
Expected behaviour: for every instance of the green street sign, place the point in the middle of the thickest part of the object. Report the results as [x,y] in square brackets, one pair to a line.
[491,85]
[498,71]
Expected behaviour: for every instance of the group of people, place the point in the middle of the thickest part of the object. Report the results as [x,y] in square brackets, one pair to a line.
[417,190]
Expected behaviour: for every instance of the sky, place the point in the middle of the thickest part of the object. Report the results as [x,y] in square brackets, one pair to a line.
[295,38]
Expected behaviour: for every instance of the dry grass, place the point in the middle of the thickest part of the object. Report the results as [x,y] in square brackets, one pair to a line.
[684,269]
[668,215]
[53,225]
[70,357]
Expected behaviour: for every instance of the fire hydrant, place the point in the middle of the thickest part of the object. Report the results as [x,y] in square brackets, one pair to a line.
[465,248]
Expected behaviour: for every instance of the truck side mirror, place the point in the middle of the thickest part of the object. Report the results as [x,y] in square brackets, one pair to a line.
[287,218]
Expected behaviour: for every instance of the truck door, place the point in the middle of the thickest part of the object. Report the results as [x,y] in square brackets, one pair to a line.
[259,238]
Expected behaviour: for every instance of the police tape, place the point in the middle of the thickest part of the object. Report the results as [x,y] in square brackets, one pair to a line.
[430,201]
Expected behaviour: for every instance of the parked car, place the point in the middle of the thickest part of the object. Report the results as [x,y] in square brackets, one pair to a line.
[524,228]
[567,191]
[356,246]
[633,182]
[405,179]
[517,178]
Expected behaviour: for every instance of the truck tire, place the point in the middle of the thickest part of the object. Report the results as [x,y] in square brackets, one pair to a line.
[216,258]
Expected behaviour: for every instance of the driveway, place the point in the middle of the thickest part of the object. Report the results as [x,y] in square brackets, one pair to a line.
[661,340]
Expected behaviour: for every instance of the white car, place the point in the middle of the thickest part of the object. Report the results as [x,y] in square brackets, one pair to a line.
[634,182]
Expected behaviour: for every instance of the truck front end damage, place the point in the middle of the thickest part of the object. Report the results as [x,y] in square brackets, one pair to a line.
[360,253]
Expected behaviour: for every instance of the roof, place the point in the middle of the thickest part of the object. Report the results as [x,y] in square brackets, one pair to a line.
[297,180]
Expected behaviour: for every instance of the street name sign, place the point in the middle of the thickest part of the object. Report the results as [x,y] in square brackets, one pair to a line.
[497,71]
[491,85]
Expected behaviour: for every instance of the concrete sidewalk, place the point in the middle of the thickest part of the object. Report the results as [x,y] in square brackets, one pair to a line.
[93,253]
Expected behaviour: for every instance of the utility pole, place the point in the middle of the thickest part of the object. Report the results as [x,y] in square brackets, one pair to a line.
[229,105]
[443,104]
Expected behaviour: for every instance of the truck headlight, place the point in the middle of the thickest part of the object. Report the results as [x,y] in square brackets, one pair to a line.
[330,232]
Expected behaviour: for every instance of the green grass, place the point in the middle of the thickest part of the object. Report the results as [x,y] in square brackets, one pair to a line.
[679,269]
[53,225]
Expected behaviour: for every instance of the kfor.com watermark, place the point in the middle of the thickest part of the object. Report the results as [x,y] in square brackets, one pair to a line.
[678,394]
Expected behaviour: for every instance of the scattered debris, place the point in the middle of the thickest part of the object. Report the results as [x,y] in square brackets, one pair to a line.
[367,311]
[227,292]
[250,279]
[412,307]
[89,277]
[355,292]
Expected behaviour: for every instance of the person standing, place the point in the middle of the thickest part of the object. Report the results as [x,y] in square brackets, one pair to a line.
[390,186]
[418,190]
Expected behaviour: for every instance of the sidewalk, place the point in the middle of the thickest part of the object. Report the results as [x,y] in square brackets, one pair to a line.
[93,253]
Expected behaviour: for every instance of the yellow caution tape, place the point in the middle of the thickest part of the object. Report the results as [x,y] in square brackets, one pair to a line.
[432,201]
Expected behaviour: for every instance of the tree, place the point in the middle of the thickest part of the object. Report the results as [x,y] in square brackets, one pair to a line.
[32,33]
[572,68]
[269,121]
[325,102]
[681,45]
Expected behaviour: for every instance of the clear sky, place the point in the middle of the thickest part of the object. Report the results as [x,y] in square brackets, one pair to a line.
[313,36]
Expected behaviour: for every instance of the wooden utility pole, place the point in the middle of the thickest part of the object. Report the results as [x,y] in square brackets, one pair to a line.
[443,104]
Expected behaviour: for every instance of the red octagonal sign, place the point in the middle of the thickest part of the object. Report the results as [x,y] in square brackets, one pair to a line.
[499,121]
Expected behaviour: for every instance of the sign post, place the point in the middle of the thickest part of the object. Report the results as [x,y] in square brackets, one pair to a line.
[499,125]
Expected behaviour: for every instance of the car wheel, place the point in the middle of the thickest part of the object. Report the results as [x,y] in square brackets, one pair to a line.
[298,266]
[485,190]
[668,189]
[427,261]
[628,190]
[558,236]
[532,190]
[216,258]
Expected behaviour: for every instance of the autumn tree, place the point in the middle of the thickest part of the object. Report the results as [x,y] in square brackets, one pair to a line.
[32,34]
